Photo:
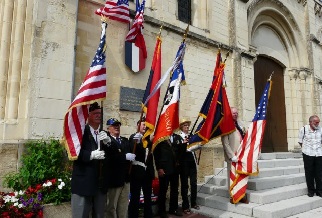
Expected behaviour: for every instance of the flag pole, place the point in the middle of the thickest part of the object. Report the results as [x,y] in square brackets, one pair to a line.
[104,20]
[142,111]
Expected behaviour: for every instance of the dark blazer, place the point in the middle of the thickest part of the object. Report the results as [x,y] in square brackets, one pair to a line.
[139,171]
[117,167]
[165,157]
[85,175]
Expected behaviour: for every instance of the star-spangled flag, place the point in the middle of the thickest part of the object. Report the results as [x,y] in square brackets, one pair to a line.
[135,48]
[115,10]
[93,89]
[169,117]
[249,149]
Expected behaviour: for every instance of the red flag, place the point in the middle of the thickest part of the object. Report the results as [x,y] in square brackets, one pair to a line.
[249,150]
[92,89]
[115,10]
[169,117]
[215,112]
[151,107]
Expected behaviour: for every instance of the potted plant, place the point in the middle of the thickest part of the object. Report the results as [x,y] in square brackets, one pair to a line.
[44,177]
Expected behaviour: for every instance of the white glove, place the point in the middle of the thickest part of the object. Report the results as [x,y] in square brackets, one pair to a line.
[102,136]
[194,148]
[138,136]
[130,156]
[234,159]
[97,154]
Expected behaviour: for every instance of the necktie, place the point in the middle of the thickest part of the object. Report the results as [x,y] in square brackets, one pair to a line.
[118,139]
[96,133]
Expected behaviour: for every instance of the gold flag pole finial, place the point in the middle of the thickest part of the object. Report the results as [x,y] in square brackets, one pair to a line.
[185,33]
[227,55]
[104,18]
[270,77]
[160,29]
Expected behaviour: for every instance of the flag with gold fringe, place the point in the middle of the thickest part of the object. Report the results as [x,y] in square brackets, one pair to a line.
[249,149]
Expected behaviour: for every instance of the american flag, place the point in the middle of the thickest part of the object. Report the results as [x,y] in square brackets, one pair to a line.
[249,149]
[115,10]
[138,22]
[93,89]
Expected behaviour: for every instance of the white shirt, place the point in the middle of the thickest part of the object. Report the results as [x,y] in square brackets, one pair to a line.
[311,141]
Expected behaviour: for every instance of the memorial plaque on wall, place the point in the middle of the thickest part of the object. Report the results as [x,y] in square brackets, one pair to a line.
[131,99]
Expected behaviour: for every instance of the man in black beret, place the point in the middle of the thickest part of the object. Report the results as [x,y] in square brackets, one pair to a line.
[87,192]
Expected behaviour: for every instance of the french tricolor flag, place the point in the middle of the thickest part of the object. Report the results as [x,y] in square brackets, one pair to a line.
[134,57]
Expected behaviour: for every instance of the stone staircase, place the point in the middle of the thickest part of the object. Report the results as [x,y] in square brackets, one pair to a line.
[278,191]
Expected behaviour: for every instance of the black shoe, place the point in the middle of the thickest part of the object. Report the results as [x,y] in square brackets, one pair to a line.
[176,213]
[318,194]
[310,195]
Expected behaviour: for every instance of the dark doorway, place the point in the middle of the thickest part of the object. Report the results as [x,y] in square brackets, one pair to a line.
[275,136]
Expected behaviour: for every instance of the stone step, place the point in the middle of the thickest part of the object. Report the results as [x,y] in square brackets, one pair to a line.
[275,181]
[268,172]
[216,213]
[289,207]
[261,183]
[279,155]
[311,213]
[216,180]
[276,194]
[260,197]
[222,203]
[271,163]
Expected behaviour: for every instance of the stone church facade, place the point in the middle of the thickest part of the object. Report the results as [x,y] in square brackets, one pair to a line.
[46,47]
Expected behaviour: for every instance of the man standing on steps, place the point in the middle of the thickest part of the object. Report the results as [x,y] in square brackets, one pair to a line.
[310,141]
[231,143]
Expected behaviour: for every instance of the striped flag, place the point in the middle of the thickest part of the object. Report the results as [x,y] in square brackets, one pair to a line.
[93,89]
[249,149]
[215,111]
[115,10]
[150,108]
[169,117]
[135,48]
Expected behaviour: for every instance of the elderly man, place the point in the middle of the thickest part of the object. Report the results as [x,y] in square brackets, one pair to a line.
[188,169]
[118,159]
[88,194]
[231,143]
[310,141]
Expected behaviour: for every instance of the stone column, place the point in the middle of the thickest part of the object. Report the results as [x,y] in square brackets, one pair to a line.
[303,89]
[5,52]
[16,61]
[292,116]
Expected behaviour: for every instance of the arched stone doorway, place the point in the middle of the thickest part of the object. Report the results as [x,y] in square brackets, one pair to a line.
[275,136]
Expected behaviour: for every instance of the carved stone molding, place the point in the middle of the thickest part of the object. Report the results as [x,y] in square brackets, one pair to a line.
[318,8]
[302,1]
[293,73]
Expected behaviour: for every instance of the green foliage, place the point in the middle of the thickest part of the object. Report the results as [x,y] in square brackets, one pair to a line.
[42,161]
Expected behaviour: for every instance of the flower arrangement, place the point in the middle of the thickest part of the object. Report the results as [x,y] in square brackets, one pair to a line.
[44,176]
[29,203]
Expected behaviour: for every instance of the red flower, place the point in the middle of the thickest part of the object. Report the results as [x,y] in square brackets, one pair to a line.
[38,187]
[40,214]
[29,215]
[53,181]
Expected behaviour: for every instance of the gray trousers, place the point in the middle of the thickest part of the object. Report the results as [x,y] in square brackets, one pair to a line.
[83,205]
[118,201]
